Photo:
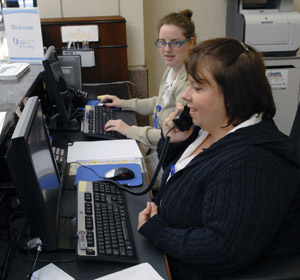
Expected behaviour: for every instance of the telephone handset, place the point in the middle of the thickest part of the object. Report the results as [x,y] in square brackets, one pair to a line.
[183,120]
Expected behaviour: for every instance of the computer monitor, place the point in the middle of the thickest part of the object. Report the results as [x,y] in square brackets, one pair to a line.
[71,68]
[58,93]
[35,175]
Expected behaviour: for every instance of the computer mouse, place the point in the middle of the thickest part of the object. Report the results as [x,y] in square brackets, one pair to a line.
[119,173]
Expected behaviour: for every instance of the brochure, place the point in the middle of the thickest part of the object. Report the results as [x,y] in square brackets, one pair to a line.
[12,71]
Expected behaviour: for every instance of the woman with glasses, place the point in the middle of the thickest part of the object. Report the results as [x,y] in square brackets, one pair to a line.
[230,192]
[176,36]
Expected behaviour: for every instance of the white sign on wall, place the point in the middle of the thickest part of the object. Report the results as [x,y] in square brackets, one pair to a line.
[24,35]
[277,78]
[80,33]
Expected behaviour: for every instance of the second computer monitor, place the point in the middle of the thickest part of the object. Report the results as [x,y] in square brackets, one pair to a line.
[58,92]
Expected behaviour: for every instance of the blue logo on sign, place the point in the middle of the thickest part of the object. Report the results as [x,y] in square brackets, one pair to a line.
[15,41]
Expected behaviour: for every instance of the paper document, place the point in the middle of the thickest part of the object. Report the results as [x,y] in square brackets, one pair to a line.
[11,71]
[103,150]
[2,118]
[143,271]
[51,271]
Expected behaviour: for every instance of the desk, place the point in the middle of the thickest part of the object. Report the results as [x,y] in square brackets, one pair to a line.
[90,270]
[66,260]
[13,92]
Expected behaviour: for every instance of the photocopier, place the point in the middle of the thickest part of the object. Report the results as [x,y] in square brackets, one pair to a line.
[270,26]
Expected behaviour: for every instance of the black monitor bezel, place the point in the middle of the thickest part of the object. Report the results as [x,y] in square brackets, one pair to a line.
[52,88]
[18,157]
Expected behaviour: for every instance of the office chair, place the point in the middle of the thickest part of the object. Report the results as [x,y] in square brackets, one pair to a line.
[281,267]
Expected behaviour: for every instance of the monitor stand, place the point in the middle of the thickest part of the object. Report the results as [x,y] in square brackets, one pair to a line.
[67,237]
[67,234]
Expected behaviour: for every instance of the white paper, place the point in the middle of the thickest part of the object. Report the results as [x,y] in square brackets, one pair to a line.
[103,150]
[143,271]
[79,33]
[10,71]
[51,271]
[278,78]
[2,118]
[24,35]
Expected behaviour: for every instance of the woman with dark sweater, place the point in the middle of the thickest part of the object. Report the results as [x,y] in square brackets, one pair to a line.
[229,193]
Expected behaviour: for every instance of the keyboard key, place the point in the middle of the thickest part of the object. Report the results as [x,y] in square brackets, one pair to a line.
[107,225]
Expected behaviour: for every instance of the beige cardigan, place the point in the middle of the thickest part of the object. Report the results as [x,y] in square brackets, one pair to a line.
[149,135]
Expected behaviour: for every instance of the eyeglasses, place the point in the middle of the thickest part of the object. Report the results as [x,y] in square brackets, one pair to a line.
[172,44]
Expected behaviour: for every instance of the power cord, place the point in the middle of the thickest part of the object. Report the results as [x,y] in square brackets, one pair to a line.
[32,244]
[14,240]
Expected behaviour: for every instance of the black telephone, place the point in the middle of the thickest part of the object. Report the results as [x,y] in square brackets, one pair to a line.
[79,97]
[183,120]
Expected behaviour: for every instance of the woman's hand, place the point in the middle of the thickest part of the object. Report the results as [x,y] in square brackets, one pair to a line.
[150,210]
[115,101]
[117,125]
[175,134]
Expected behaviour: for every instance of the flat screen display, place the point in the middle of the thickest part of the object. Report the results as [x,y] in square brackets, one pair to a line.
[41,155]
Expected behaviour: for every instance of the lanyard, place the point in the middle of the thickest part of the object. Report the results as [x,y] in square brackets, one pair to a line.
[157,110]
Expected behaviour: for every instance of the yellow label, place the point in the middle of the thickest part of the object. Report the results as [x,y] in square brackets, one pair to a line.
[82,186]
[101,96]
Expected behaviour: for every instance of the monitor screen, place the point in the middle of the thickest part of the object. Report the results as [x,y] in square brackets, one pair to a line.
[57,92]
[71,67]
[35,175]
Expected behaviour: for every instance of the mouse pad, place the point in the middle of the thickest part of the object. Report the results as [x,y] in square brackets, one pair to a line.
[86,174]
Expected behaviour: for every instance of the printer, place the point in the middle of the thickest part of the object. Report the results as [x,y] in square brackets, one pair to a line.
[270,26]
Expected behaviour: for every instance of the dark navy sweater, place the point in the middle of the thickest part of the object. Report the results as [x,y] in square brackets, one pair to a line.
[237,200]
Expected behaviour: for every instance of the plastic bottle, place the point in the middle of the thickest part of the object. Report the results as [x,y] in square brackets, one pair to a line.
[4,57]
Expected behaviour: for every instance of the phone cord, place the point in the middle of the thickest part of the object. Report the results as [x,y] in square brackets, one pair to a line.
[160,162]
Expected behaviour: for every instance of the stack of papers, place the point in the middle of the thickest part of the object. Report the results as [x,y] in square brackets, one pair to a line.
[104,150]
[12,71]
[143,271]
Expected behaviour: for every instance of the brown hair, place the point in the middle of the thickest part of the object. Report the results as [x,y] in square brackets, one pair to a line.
[183,19]
[239,71]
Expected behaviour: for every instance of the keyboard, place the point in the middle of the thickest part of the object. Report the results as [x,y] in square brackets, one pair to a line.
[103,226]
[95,117]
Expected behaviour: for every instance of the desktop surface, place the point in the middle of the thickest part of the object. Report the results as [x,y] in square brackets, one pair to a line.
[81,269]
[12,95]
[14,91]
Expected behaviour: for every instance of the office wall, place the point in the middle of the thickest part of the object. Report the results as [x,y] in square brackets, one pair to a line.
[142,17]
[131,10]
[209,18]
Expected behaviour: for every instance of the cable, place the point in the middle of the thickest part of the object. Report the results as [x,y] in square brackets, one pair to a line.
[39,249]
[13,242]
[112,83]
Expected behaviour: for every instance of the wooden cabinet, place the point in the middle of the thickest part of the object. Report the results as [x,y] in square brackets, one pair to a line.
[110,50]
